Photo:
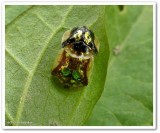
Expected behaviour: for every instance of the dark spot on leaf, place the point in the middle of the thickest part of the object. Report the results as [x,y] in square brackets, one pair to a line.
[121,8]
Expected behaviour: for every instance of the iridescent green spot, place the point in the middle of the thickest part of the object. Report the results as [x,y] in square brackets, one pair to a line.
[76,75]
[66,71]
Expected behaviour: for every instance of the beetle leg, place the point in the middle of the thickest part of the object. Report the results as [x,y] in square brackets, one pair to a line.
[92,46]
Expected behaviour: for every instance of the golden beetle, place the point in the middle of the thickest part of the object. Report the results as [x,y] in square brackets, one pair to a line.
[75,60]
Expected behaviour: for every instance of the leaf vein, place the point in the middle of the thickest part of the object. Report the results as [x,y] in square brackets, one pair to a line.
[136,100]
[17,60]
[19,16]
[29,79]
[8,115]
[42,20]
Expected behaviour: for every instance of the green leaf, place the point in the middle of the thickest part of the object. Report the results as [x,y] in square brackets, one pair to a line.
[33,40]
[13,12]
[128,96]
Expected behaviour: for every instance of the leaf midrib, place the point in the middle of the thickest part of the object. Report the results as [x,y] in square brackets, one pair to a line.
[31,73]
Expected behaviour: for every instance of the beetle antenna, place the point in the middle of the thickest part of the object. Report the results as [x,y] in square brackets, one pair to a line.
[68,41]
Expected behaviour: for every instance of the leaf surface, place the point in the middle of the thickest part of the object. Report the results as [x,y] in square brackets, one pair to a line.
[33,39]
[13,12]
[127,99]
